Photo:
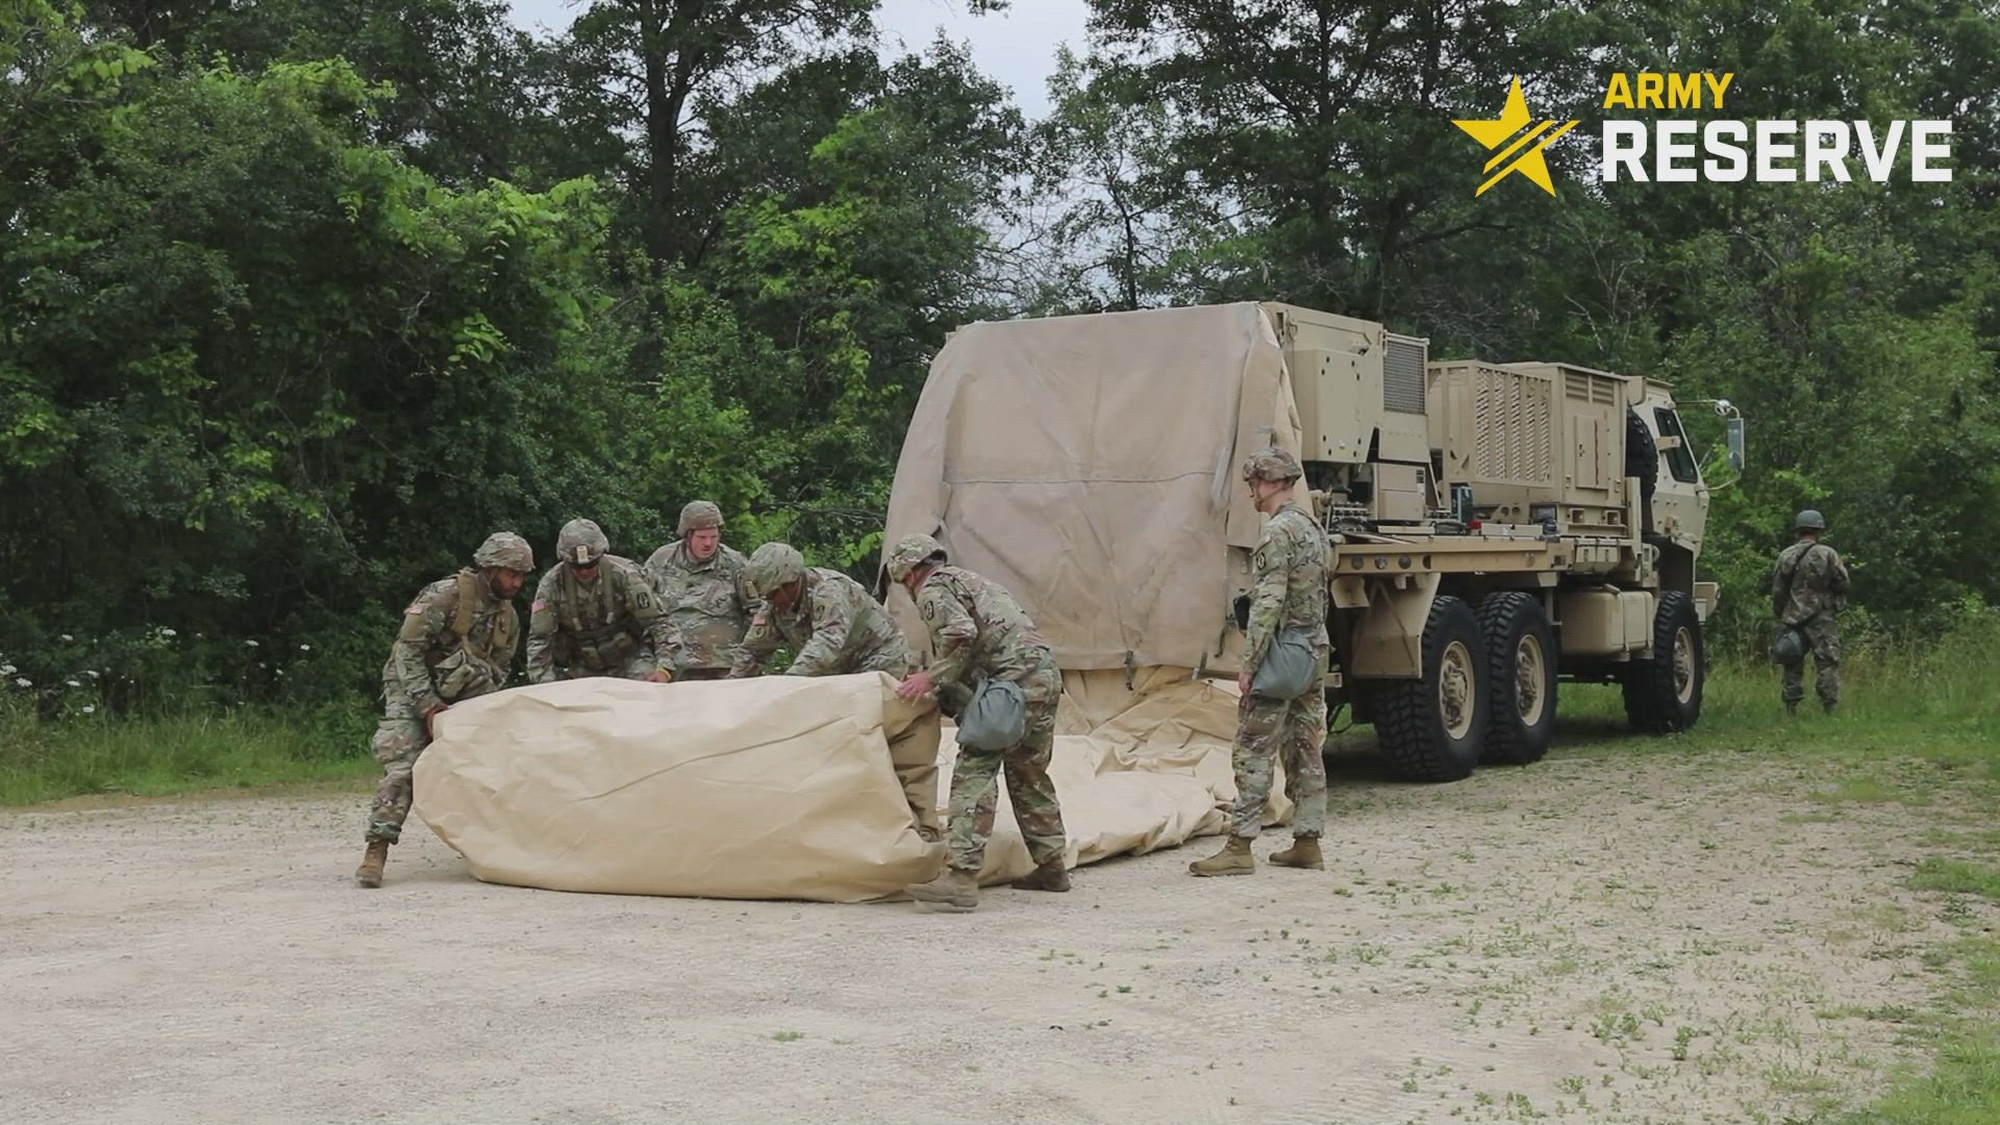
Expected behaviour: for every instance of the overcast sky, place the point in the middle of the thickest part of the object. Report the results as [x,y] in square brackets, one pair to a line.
[1016,47]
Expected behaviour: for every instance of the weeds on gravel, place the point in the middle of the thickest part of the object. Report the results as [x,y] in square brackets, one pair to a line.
[1964,1087]
[1917,726]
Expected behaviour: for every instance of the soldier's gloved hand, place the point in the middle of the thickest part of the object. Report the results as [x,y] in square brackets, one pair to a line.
[430,718]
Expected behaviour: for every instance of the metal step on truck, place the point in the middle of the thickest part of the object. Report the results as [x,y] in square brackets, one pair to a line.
[1496,528]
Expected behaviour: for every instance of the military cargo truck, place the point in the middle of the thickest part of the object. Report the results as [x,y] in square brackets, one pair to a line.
[1496,528]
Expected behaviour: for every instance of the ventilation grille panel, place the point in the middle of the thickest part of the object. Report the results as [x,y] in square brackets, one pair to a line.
[1512,420]
[1403,363]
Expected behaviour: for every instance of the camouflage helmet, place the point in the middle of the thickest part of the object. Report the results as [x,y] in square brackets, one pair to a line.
[699,514]
[1272,464]
[910,552]
[581,543]
[506,551]
[774,565]
[1809,520]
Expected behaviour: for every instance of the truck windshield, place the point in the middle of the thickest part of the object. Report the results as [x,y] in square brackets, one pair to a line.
[1680,460]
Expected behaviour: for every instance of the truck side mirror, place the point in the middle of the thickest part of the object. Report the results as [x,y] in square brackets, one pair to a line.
[1736,443]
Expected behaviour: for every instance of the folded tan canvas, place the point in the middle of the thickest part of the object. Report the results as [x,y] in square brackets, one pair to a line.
[783,787]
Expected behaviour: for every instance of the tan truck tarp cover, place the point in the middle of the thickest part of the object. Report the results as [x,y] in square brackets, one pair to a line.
[1089,464]
[781,787]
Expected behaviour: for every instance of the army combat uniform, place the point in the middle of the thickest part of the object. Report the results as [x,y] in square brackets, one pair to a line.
[607,622]
[612,625]
[836,627]
[979,632]
[709,602]
[1289,591]
[1808,586]
[457,642]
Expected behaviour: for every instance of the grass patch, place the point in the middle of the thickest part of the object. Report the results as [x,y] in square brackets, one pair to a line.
[1957,877]
[1860,791]
[1915,724]
[246,749]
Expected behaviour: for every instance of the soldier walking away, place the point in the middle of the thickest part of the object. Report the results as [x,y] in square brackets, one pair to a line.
[1808,587]
[980,633]
[702,587]
[1288,572]
[595,614]
[457,641]
[835,625]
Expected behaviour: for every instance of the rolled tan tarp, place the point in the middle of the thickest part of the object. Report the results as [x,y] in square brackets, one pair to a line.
[772,787]
[1089,464]
[785,787]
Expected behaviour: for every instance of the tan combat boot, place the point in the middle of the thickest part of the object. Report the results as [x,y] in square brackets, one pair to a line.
[369,874]
[954,888]
[1304,852]
[1233,859]
[1050,876]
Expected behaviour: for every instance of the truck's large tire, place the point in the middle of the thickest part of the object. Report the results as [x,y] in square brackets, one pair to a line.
[1664,694]
[1521,678]
[1433,728]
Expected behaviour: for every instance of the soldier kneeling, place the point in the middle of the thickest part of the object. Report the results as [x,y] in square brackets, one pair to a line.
[457,642]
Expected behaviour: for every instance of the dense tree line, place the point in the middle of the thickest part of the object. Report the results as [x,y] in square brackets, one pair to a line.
[303,298]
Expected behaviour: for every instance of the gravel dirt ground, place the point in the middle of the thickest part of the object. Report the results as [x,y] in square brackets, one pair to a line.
[1626,939]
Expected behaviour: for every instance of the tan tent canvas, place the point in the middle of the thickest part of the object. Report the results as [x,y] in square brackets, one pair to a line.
[782,787]
[774,787]
[1099,500]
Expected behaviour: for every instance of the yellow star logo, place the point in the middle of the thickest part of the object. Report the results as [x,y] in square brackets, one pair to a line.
[1514,118]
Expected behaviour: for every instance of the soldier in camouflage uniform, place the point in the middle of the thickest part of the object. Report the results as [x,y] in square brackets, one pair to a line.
[834,623]
[1809,586]
[979,632]
[1289,592]
[595,614]
[457,641]
[702,587]
[836,629]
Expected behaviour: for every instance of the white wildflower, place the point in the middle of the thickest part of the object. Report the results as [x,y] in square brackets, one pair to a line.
[168,633]
[251,643]
[67,637]
[90,708]
[6,669]
[91,672]
[24,682]
[305,648]
[72,683]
